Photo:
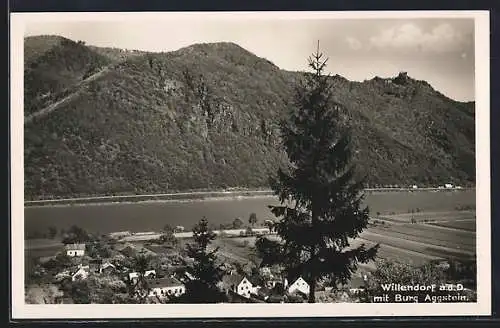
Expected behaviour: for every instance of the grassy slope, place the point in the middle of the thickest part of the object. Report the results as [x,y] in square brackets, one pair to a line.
[205,117]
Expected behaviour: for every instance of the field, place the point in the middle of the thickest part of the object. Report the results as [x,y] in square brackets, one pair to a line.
[239,249]
[468,225]
[415,243]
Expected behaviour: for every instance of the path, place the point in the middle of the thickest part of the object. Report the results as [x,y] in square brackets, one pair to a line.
[47,110]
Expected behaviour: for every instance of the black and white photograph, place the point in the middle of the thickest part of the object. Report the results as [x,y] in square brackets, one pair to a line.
[293,163]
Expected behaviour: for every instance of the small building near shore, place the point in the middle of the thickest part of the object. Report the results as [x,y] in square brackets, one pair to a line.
[75,250]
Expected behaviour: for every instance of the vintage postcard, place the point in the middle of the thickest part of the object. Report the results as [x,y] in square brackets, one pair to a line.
[270,164]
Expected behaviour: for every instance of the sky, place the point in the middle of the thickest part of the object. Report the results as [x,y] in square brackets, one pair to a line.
[438,50]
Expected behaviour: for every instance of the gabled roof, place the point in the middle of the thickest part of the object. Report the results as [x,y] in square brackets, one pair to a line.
[232,279]
[357,282]
[80,270]
[75,247]
[297,280]
[165,282]
[263,291]
[254,280]
[108,265]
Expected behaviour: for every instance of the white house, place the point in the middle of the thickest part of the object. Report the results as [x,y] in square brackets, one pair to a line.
[299,285]
[82,273]
[148,274]
[448,185]
[107,268]
[239,285]
[414,187]
[166,287]
[75,249]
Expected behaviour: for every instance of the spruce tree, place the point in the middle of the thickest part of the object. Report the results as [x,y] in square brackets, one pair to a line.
[321,202]
[207,274]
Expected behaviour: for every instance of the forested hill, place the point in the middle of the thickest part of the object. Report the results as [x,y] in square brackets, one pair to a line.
[101,121]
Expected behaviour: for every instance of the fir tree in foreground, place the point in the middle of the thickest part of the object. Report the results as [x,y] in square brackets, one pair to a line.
[321,204]
[207,274]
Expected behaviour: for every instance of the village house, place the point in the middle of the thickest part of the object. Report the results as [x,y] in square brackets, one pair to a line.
[448,185]
[62,275]
[179,228]
[263,293]
[299,285]
[238,284]
[150,274]
[107,268]
[75,250]
[82,273]
[166,287]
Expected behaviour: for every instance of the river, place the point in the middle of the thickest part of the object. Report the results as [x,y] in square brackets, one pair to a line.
[149,216]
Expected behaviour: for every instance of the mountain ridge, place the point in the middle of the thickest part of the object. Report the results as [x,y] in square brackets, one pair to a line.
[155,122]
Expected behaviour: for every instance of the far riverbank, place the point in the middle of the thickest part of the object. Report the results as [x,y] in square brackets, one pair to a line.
[197,196]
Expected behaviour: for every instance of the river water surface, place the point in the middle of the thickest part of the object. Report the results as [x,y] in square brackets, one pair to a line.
[147,216]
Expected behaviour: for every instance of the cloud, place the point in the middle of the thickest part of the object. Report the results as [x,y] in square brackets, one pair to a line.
[442,38]
[353,43]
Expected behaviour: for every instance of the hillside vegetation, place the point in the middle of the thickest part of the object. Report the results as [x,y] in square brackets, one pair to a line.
[205,117]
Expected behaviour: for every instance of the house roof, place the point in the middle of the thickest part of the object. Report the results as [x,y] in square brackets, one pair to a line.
[165,282]
[357,282]
[108,265]
[81,270]
[232,279]
[75,247]
[254,280]
[298,278]
[263,291]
